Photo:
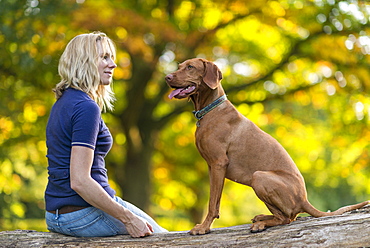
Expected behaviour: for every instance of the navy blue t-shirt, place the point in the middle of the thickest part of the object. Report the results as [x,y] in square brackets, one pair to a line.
[75,120]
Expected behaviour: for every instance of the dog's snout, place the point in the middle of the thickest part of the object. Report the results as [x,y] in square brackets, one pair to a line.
[169,77]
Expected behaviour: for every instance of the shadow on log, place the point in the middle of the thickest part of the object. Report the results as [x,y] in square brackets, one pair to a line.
[347,230]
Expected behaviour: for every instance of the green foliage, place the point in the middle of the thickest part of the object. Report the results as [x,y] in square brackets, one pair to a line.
[298,69]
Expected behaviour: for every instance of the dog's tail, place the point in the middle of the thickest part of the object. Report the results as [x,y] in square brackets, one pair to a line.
[308,208]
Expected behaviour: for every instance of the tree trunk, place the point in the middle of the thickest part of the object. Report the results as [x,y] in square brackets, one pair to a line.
[346,230]
[136,184]
[137,125]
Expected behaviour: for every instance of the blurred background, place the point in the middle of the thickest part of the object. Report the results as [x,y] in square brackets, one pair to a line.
[297,68]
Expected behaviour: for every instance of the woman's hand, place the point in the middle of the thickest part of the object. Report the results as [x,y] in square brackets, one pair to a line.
[138,227]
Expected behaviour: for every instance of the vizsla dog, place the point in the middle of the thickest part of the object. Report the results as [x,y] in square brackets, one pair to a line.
[235,148]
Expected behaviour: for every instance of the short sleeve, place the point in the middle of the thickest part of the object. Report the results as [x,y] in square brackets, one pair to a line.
[85,124]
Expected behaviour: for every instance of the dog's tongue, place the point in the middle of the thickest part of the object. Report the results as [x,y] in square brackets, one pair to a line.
[175,93]
[179,91]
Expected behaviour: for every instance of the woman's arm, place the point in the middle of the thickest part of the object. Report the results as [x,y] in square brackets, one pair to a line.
[94,194]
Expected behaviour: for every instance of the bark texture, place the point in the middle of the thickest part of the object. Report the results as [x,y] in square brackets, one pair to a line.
[348,230]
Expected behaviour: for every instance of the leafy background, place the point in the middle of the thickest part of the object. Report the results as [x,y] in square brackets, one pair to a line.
[298,68]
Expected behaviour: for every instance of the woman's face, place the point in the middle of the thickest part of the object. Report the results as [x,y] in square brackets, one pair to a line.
[106,65]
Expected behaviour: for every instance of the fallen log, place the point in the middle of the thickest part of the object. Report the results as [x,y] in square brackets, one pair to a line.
[351,229]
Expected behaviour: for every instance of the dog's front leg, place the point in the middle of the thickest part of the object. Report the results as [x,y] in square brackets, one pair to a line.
[217,173]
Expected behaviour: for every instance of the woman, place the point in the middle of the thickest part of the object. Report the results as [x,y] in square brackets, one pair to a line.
[79,200]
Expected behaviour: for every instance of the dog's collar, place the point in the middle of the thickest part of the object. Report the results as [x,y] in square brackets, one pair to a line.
[201,113]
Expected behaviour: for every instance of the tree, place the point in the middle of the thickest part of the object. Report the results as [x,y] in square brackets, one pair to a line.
[29,41]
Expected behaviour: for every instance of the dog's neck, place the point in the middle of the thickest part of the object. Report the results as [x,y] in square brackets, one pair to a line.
[207,97]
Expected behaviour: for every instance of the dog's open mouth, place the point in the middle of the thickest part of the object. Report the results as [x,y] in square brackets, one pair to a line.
[181,92]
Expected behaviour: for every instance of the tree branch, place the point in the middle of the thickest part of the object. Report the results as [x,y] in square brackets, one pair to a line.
[346,230]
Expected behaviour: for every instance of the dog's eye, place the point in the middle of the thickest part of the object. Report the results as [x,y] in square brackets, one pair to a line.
[190,67]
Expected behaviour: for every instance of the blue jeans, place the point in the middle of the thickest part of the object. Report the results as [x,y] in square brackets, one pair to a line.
[93,222]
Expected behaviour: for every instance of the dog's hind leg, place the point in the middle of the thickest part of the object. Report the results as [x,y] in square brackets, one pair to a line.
[280,196]
[262,217]
[278,218]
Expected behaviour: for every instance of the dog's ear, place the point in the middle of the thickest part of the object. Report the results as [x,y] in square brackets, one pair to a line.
[212,75]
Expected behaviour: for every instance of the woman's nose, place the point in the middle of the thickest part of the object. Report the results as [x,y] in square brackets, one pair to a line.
[112,64]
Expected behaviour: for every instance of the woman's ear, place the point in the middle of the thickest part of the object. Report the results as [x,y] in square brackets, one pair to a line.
[212,75]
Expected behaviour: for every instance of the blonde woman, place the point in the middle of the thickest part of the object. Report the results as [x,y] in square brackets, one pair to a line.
[79,200]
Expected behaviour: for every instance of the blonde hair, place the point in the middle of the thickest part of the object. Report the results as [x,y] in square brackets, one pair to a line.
[78,68]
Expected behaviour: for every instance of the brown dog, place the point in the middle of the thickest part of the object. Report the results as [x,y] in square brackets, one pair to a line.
[235,148]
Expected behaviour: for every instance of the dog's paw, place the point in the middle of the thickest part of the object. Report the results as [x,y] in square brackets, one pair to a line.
[258,227]
[199,230]
[255,219]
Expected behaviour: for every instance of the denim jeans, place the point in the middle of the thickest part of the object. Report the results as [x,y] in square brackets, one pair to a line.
[93,222]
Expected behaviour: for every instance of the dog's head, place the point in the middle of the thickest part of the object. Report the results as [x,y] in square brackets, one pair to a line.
[191,76]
